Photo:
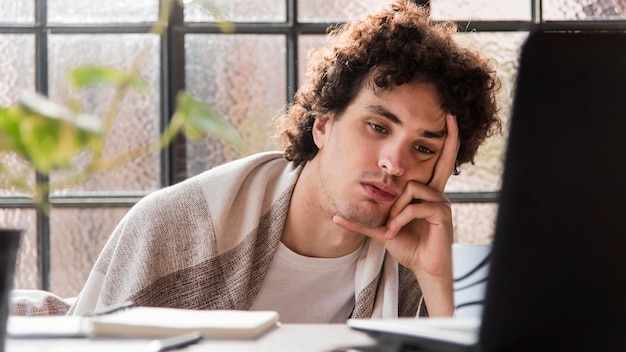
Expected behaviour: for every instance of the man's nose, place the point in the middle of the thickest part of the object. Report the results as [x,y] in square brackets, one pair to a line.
[392,160]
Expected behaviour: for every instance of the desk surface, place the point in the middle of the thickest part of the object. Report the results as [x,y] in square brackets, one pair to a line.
[287,338]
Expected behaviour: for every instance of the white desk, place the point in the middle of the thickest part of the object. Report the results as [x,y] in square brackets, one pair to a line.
[284,338]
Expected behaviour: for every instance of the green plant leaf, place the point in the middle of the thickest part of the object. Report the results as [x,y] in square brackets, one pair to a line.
[46,134]
[41,105]
[198,120]
[86,76]
[10,130]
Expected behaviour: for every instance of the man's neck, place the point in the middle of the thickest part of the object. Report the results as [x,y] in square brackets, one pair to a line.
[309,229]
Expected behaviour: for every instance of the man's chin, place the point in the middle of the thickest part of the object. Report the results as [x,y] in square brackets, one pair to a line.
[366,214]
[369,222]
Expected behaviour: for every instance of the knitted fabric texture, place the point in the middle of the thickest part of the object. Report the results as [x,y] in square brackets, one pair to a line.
[207,243]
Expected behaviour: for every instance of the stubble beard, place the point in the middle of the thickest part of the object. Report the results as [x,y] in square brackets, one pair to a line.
[369,214]
[365,216]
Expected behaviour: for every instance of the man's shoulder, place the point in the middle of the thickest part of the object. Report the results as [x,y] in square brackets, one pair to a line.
[229,177]
[257,168]
[246,164]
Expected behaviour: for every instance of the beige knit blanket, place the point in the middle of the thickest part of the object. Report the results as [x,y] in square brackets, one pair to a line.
[207,243]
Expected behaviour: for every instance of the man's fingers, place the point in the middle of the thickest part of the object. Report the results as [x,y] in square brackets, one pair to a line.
[446,163]
[430,212]
[415,192]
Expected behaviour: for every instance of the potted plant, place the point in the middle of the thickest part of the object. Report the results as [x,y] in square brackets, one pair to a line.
[48,136]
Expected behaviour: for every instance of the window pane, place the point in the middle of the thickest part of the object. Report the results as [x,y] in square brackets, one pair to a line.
[236,11]
[17,12]
[77,236]
[136,124]
[17,71]
[17,177]
[335,10]
[481,10]
[583,10]
[92,11]
[17,74]
[486,174]
[26,269]
[242,77]
[307,43]
[474,222]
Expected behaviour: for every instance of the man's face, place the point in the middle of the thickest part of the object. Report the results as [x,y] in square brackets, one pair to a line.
[381,141]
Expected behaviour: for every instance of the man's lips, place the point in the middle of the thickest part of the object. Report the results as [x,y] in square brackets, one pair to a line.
[379,192]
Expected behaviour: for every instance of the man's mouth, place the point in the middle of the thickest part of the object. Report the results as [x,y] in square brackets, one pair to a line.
[379,192]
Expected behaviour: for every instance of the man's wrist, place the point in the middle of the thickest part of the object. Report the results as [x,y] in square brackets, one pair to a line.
[438,293]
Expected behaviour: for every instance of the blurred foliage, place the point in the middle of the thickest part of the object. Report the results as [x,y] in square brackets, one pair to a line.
[50,136]
[46,134]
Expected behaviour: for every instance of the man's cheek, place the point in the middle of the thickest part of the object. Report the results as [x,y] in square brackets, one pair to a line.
[429,174]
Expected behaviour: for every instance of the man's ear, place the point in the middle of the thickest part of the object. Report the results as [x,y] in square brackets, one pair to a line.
[321,128]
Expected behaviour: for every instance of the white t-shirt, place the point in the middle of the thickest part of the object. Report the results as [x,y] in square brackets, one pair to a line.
[308,290]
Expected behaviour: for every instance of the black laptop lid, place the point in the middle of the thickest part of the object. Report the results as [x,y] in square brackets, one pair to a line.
[558,273]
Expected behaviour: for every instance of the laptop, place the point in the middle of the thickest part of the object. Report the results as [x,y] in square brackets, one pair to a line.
[557,276]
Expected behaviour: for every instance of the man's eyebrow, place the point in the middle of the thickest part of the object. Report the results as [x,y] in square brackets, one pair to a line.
[379,110]
[433,134]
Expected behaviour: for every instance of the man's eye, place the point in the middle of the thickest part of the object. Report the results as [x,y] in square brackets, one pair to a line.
[422,149]
[377,128]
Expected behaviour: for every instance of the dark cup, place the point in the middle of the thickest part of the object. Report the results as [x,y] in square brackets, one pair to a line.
[9,245]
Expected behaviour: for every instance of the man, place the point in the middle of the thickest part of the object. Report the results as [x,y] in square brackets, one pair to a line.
[350,220]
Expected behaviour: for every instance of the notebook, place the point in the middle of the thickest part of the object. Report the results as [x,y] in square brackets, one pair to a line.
[557,277]
[148,322]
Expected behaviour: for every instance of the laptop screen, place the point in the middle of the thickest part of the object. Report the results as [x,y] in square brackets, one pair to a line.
[558,273]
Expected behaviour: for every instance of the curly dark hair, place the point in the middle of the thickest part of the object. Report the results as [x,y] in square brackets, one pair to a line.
[398,45]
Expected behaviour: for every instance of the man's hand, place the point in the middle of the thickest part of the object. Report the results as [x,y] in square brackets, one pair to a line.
[419,233]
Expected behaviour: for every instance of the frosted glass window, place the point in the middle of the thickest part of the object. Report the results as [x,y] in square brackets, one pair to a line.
[481,10]
[321,11]
[77,237]
[16,170]
[96,11]
[583,10]
[306,44]
[242,77]
[26,270]
[17,68]
[137,123]
[17,74]
[486,174]
[17,12]
[236,11]
[474,222]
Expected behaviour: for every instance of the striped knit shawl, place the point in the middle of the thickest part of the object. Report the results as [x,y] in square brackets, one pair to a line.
[207,243]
